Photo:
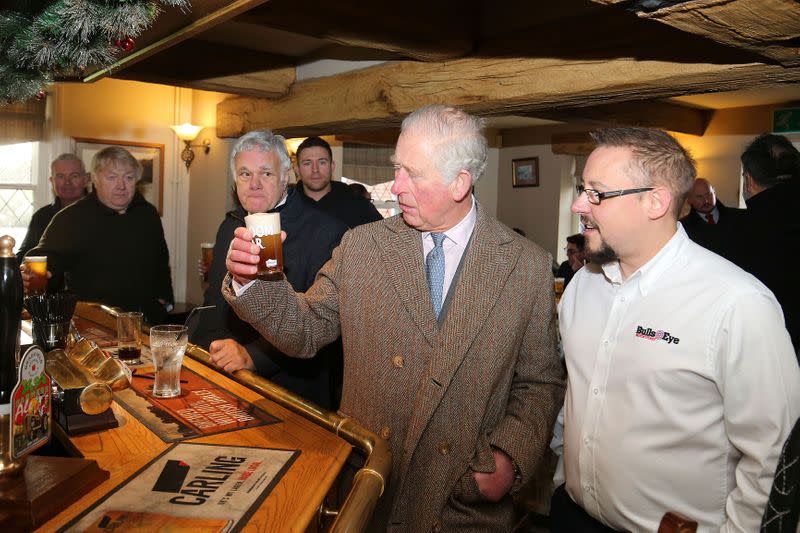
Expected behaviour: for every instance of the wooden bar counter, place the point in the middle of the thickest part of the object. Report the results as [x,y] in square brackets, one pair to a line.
[324,440]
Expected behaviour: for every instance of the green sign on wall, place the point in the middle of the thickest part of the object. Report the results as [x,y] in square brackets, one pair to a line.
[786,120]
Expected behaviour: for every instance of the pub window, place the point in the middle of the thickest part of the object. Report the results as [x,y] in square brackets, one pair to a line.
[371,166]
[19,188]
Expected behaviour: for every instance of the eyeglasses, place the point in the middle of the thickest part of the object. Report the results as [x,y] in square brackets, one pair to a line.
[595,197]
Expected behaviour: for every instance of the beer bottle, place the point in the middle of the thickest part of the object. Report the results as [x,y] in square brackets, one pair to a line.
[10,319]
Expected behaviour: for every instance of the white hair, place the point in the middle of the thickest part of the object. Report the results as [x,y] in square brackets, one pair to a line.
[262,141]
[457,137]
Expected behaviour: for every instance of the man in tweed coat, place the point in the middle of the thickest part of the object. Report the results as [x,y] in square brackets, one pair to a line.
[467,401]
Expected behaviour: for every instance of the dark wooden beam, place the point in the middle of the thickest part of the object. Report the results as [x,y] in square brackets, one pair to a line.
[574,143]
[174,26]
[419,29]
[383,137]
[652,114]
[215,67]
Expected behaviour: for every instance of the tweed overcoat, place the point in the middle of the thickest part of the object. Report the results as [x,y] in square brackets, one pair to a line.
[442,396]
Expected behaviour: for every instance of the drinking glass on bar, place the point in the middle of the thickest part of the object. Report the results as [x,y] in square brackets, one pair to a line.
[206,257]
[129,337]
[36,266]
[167,345]
[266,228]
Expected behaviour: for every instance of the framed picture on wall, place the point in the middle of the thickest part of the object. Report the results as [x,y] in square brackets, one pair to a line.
[525,172]
[149,155]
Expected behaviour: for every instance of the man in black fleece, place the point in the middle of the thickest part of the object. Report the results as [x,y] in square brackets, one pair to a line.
[260,165]
[314,170]
[109,246]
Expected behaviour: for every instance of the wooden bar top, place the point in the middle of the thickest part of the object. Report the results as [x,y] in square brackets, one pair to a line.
[293,503]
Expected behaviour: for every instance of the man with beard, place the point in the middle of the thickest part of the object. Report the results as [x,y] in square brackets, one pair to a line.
[710,223]
[683,384]
[315,167]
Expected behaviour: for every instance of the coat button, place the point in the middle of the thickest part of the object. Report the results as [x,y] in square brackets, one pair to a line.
[398,361]
[386,432]
[436,527]
[444,448]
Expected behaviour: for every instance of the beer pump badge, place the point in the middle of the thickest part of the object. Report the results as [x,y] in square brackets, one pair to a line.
[30,404]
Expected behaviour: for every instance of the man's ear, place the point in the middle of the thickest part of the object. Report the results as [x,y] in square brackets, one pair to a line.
[461,186]
[659,202]
[749,183]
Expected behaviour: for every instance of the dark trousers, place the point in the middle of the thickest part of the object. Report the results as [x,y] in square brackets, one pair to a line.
[566,516]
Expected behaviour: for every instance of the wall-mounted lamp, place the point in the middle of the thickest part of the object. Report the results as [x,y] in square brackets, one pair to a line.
[187,133]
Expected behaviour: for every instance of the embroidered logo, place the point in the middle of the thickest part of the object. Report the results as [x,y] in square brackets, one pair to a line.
[654,335]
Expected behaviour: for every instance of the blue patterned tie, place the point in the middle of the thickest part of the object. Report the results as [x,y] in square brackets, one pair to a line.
[434,270]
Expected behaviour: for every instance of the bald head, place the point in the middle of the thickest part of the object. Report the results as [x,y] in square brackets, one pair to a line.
[702,196]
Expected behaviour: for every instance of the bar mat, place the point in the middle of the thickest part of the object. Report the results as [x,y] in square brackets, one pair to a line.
[102,336]
[203,408]
[191,487]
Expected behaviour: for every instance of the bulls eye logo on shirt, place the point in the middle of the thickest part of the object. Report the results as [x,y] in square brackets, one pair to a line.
[655,335]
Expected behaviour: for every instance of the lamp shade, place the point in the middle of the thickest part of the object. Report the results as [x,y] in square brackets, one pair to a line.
[186,131]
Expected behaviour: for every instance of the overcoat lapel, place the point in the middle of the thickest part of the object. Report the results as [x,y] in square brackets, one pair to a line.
[402,258]
[490,260]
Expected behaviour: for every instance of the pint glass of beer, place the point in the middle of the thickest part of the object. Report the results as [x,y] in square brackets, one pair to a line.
[37,267]
[206,256]
[266,228]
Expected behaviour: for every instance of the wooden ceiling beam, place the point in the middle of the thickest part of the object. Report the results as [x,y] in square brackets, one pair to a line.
[216,67]
[384,137]
[573,143]
[651,114]
[175,26]
[378,97]
[770,28]
[422,30]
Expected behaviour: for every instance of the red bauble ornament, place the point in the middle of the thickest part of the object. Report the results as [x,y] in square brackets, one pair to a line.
[40,95]
[127,44]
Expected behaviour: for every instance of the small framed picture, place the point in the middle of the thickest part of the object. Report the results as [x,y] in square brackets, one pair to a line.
[525,172]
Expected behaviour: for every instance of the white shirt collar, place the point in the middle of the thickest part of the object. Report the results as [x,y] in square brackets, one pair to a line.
[461,232]
[651,271]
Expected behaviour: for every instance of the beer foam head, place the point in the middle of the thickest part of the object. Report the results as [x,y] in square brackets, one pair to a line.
[263,223]
[36,259]
[206,245]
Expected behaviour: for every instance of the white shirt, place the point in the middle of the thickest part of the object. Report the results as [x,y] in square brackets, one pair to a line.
[683,387]
[454,244]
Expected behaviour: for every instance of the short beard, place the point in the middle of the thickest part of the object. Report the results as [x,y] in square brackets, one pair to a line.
[316,189]
[602,256]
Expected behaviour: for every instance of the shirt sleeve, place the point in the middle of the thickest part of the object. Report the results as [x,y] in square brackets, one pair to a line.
[759,381]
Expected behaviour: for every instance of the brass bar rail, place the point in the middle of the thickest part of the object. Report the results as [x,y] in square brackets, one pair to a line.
[369,481]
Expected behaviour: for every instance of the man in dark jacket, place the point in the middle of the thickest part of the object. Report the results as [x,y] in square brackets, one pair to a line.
[68,178]
[710,223]
[315,167]
[260,164]
[771,172]
[109,246]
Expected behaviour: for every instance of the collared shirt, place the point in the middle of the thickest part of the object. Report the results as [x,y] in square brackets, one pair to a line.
[714,213]
[454,245]
[683,387]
